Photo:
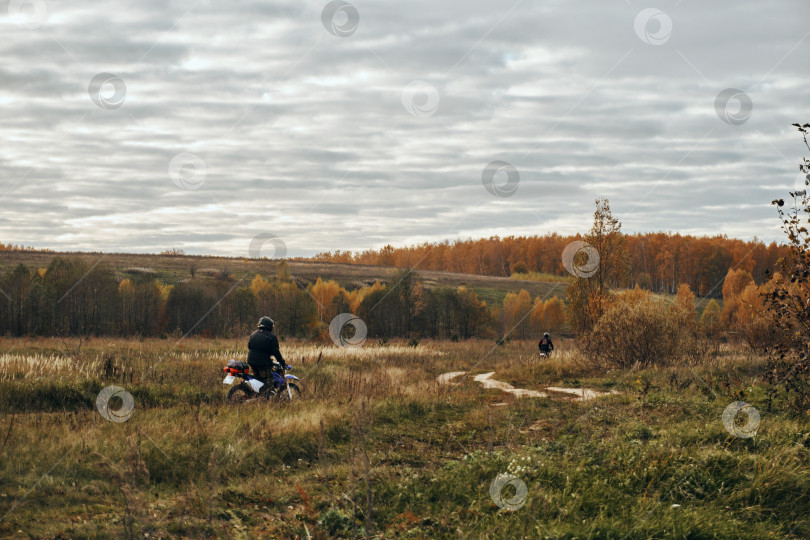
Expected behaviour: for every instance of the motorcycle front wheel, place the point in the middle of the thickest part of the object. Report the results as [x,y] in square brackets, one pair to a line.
[283,396]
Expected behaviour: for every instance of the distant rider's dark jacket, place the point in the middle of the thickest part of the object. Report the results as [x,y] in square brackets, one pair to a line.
[261,345]
[547,346]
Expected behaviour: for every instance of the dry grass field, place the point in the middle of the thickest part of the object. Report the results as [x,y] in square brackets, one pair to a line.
[378,448]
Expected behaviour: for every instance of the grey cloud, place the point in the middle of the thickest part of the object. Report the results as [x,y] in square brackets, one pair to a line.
[304,134]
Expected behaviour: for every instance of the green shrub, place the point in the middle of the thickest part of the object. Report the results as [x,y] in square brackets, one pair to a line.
[335,522]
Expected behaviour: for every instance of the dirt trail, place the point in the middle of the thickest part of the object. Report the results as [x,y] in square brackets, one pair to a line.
[445,378]
[581,393]
[485,379]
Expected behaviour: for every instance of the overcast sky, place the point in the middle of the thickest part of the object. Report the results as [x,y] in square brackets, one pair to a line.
[148,125]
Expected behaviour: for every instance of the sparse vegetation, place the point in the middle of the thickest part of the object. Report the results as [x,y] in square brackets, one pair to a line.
[787,298]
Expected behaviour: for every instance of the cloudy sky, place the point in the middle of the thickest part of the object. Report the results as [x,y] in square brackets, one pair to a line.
[197,124]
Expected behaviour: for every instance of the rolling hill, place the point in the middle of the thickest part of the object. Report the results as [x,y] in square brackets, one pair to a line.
[175,268]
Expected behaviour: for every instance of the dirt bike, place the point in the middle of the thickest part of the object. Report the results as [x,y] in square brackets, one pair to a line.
[545,354]
[283,386]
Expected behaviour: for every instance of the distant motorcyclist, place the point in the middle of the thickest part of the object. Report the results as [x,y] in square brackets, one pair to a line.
[545,345]
[262,347]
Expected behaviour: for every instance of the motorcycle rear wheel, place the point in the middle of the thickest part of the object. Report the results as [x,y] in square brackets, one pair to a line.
[240,394]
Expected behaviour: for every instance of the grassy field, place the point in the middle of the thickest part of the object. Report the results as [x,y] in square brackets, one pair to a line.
[378,448]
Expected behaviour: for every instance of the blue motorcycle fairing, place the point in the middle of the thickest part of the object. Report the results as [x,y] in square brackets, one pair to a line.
[293,377]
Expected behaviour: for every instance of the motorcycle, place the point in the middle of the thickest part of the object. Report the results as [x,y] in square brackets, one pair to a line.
[544,354]
[282,387]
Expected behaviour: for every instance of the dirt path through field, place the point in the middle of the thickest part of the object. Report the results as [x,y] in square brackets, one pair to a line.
[581,393]
[445,378]
[486,380]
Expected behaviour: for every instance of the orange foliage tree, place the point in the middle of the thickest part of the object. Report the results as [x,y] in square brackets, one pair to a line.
[658,261]
[324,292]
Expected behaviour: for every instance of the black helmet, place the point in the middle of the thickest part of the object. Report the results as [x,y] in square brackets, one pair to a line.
[266,323]
[544,335]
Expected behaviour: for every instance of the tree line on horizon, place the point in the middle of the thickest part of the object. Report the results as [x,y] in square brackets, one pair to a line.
[72,297]
[659,262]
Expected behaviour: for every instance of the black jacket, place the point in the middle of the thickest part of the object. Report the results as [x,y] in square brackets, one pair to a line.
[549,345]
[261,346]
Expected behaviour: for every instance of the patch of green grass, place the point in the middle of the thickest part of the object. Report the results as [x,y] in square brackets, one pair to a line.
[541,276]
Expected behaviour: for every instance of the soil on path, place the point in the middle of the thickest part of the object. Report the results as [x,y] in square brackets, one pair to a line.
[486,380]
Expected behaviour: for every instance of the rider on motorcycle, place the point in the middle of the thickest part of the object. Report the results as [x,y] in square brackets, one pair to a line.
[263,344]
[545,345]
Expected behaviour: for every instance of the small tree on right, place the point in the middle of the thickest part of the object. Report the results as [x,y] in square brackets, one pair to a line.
[587,297]
[788,298]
